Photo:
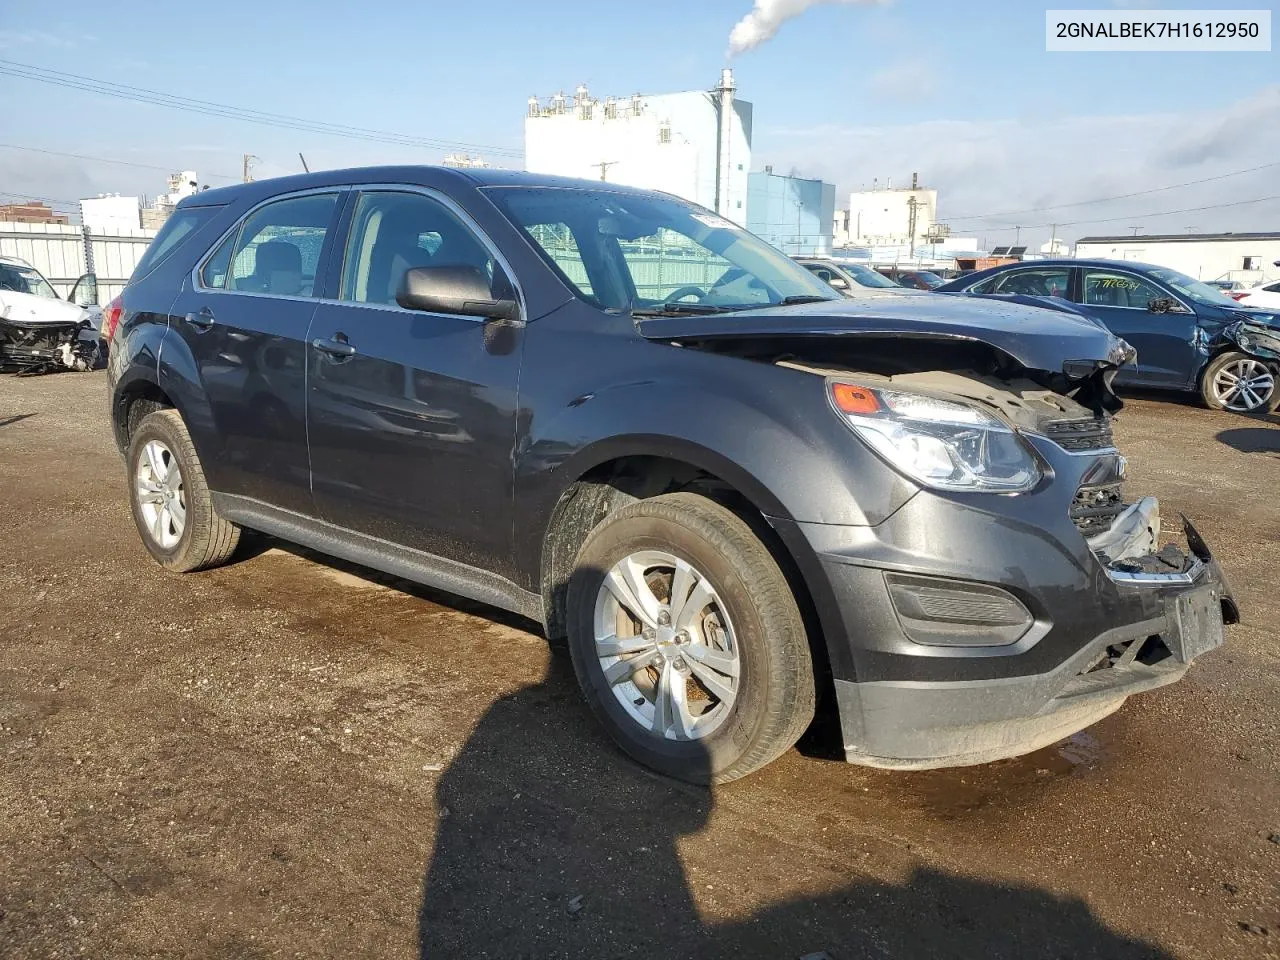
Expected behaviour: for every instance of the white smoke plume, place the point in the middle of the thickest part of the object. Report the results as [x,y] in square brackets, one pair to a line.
[767,16]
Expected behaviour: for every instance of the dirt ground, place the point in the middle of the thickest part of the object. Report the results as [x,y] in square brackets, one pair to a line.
[289,757]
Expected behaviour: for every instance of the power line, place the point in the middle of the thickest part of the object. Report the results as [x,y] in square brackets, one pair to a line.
[1164,213]
[209,108]
[51,201]
[1122,196]
[126,163]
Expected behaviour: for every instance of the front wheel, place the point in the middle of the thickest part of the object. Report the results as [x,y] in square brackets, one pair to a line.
[1240,383]
[687,640]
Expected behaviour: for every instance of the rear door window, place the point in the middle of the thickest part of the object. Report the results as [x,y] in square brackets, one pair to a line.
[278,249]
[1043,282]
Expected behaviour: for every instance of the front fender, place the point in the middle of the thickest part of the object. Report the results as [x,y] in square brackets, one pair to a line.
[765,430]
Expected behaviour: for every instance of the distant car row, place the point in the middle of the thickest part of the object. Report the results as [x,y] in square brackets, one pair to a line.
[1189,335]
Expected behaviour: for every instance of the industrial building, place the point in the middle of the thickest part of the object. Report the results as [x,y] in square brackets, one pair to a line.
[888,216]
[111,212]
[792,213]
[1248,257]
[33,211]
[696,144]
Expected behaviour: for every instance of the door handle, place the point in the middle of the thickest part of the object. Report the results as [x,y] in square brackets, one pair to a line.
[202,321]
[335,347]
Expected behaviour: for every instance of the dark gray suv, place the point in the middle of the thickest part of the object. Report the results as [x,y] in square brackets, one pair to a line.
[738,494]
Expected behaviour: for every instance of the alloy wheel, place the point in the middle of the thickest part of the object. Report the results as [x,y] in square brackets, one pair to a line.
[666,646]
[1244,385]
[161,495]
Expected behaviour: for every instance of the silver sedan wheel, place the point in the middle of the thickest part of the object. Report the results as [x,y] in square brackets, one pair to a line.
[161,497]
[666,646]
[1244,385]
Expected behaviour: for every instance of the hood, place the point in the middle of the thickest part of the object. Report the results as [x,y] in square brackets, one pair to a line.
[1036,338]
[26,308]
[1257,315]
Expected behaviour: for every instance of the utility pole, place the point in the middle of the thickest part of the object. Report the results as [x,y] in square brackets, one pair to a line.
[1135,230]
[1053,242]
[604,166]
[1017,236]
[912,204]
[248,161]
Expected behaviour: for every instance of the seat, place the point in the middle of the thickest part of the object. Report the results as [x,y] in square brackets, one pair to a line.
[1029,285]
[277,268]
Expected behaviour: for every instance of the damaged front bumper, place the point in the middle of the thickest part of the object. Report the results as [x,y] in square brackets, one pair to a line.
[33,348]
[1133,619]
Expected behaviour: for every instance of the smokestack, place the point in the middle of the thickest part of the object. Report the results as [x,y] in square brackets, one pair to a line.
[724,97]
[914,180]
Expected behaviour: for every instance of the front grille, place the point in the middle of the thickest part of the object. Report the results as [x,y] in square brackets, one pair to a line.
[1085,433]
[1095,508]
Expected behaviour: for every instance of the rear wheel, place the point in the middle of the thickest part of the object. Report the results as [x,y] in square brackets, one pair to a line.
[1240,383]
[687,640]
[170,499]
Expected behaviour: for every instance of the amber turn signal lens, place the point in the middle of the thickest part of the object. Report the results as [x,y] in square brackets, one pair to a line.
[852,399]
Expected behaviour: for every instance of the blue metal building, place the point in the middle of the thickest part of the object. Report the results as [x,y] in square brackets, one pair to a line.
[793,214]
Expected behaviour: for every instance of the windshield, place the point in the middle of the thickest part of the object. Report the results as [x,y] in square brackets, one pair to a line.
[867,277]
[1193,289]
[930,280]
[23,279]
[625,252]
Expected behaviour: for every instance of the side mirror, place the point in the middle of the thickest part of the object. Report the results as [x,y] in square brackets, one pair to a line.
[840,283]
[85,291]
[458,290]
[1165,305]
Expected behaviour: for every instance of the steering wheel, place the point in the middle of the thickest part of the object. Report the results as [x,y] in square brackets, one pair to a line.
[682,292]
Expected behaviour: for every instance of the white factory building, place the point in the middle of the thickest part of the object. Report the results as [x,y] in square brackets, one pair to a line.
[110,212]
[887,216]
[1248,257]
[696,144]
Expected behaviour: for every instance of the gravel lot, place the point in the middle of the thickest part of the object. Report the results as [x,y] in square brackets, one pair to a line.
[291,757]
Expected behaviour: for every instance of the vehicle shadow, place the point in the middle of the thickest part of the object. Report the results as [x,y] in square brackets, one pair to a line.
[550,843]
[1264,440]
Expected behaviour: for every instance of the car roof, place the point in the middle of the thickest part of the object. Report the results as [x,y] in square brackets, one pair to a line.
[476,177]
[1084,262]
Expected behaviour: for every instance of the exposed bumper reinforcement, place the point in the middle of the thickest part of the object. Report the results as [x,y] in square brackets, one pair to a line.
[921,725]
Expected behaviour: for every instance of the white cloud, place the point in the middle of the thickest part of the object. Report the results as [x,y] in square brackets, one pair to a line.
[910,79]
[21,38]
[767,16]
[998,168]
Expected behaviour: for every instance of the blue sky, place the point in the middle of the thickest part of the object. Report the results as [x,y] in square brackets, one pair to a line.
[963,93]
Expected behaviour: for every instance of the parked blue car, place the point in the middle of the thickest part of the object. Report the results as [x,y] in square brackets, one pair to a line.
[1189,335]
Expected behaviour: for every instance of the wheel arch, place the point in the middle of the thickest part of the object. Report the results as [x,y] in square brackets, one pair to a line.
[610,482]
[131,401]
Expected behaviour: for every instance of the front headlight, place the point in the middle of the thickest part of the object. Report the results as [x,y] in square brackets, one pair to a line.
[939,443]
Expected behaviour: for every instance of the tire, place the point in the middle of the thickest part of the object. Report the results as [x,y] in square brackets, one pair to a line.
[202,539]
[728,726]
[1261,398]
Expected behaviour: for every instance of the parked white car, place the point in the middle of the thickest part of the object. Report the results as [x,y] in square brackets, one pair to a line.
[853,279]
[1266,295]
[39,331]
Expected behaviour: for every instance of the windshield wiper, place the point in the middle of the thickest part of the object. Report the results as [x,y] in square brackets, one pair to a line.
[675,309]
[804,298]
